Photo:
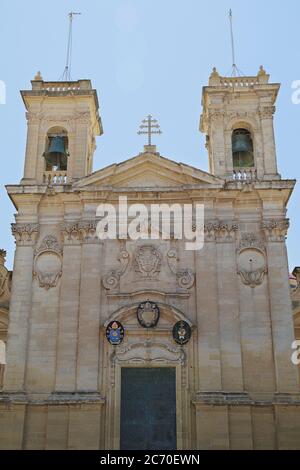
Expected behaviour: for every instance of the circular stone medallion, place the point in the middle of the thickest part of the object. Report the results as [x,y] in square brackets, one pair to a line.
[148,314]
[115,333]
[182,332]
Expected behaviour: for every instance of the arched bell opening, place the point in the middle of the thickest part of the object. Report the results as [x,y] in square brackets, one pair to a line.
[56,150]
[242,149]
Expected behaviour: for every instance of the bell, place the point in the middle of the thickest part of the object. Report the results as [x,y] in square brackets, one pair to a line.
[241,143]
[56,155]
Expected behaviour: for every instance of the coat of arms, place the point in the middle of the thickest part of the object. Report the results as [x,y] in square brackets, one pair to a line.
[148,314]
[147,261]
[115,333]
[182,332]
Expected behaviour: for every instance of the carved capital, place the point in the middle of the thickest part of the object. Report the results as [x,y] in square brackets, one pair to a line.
[87,231]
[25,234]
[216,115]
[276,230]
[83,231]
[267,112]
[34,118]
[70,232]
[83,118]
[220,231]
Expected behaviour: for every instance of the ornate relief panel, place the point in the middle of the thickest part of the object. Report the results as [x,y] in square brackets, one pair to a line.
[148,266]
[48,262]
[147,261]
[251,260]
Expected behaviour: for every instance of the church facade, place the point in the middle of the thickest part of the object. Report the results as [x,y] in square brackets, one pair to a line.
[122,343]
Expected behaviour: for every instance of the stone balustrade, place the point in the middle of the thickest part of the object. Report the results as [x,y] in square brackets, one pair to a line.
[244,174]
[55,177]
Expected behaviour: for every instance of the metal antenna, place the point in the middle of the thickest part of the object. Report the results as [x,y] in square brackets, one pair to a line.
[66,76]
[149,126]
[235,71]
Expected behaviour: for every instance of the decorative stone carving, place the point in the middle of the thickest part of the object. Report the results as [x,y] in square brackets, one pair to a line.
[49,243]
[252,266]
[147,352]
[69,231]
[267,112]
[87,231]
[48,262]
[111,280]
[147,261]
[253,278]
[3,272]
[83,231]
[25,233]
[34,118]
[148,314]
[216,115]
[2,257]
[185,277]
[50,191]
[220,231]
[276,230]
[251,240]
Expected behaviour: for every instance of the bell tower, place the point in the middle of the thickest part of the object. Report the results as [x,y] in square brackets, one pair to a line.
[63,121]
[238,121]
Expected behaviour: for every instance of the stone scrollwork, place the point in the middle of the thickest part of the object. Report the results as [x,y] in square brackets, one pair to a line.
[111,280]
[253,278]
[48,262]
[185,277]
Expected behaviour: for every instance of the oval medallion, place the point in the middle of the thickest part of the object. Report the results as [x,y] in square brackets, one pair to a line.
[148,314]
[182,332]
[115,333]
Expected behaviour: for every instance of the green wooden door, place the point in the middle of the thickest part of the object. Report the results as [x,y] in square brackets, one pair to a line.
[148,409]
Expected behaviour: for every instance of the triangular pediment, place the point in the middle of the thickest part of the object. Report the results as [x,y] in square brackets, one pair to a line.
[147,170]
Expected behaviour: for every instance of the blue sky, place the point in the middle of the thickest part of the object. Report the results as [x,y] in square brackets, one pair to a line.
[148,57]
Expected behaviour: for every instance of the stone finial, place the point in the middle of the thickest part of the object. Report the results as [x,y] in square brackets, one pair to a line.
[214,78]
[38,76]
[261,71]
[296,273]
[2,257]
[262,75]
